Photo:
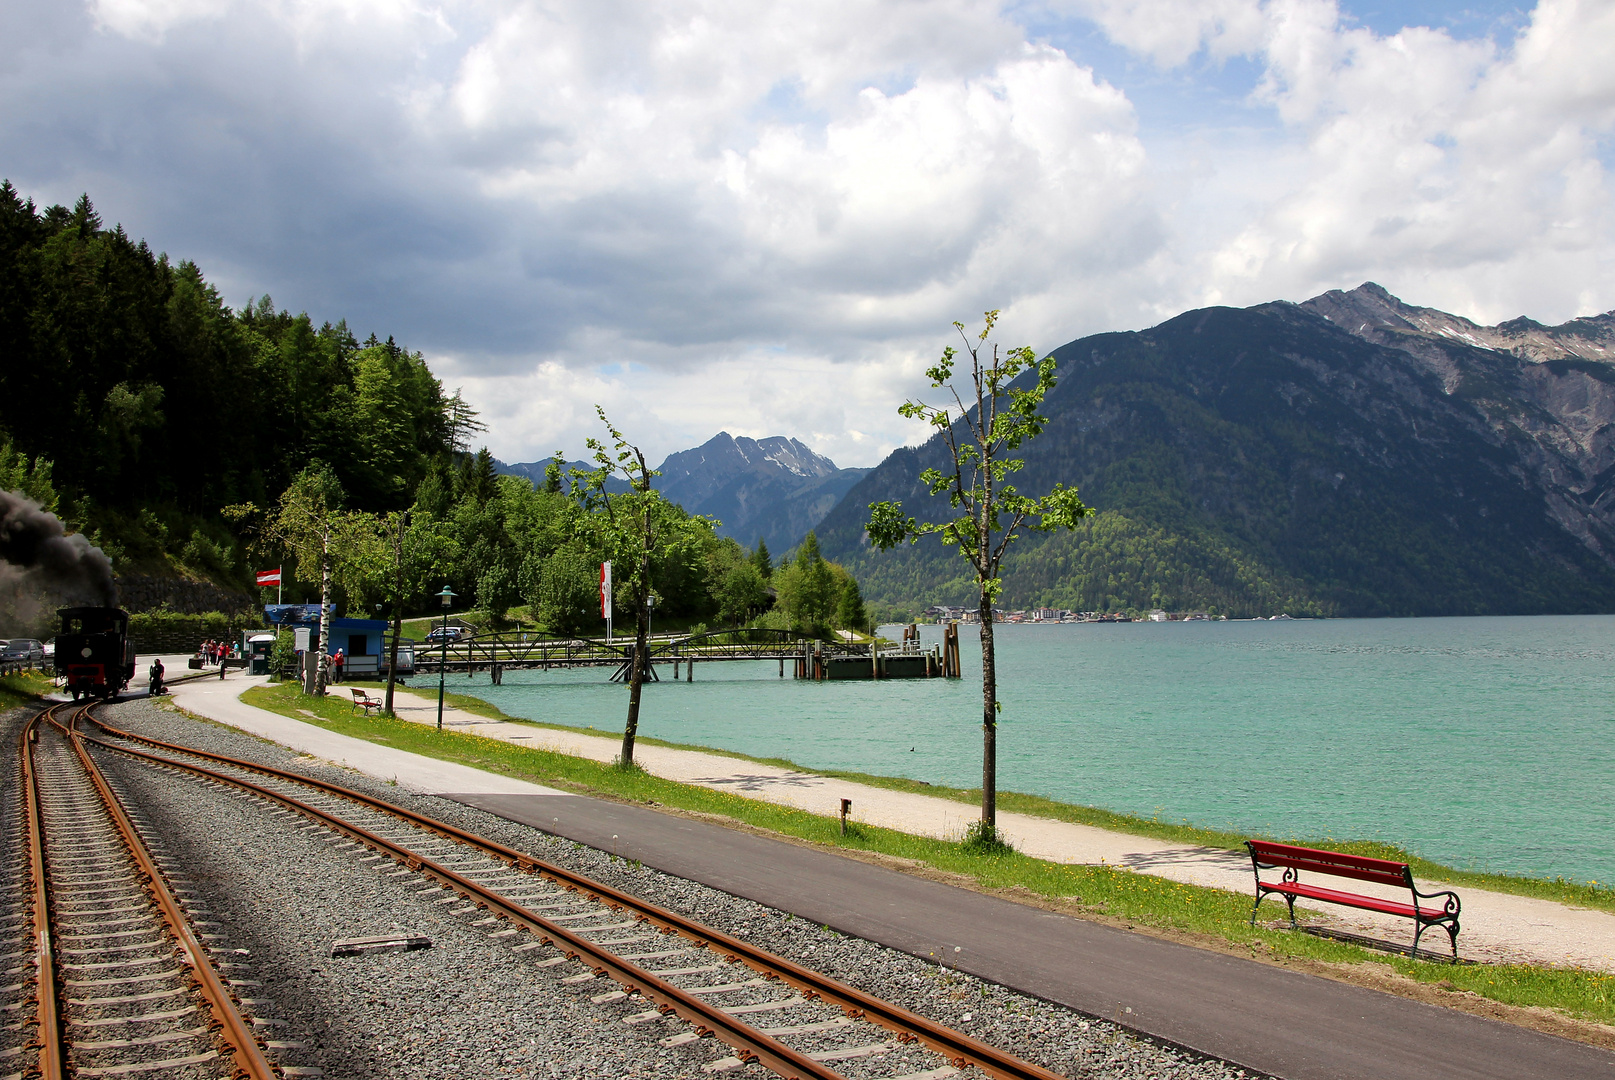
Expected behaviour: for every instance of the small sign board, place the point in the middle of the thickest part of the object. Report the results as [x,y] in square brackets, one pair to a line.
[300,639]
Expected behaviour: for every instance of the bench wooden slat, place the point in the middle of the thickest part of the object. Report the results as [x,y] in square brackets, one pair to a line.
[1337,863]
[1356,900]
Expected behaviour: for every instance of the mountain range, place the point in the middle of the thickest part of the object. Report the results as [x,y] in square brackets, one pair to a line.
[773,489]
[1351,455]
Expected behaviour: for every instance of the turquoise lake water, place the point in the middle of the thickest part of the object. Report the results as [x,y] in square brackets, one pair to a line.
[1486,743]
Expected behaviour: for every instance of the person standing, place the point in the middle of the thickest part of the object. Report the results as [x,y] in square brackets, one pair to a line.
[154,678]
[339,661]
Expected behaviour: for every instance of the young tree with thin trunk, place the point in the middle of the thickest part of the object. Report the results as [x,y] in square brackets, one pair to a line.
[987,509]
[637,526]
[332,546]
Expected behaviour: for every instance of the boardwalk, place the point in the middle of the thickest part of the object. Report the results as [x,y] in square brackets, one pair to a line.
[500,651]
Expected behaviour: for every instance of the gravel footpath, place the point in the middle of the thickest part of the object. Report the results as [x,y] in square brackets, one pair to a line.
[471,1007]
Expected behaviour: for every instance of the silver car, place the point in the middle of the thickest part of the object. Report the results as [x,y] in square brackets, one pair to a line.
[23,650]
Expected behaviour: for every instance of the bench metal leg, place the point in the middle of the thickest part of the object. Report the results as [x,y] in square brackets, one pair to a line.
[1452,935]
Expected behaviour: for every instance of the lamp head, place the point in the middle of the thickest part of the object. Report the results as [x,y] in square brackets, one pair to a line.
[447,596]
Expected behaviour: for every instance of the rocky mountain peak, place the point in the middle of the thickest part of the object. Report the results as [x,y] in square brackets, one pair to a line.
[699,472]
[1372,313]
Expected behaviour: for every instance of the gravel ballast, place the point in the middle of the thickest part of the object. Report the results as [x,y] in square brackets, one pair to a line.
[472,1006]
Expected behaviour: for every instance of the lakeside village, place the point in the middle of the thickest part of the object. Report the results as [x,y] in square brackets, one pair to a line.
[942,613]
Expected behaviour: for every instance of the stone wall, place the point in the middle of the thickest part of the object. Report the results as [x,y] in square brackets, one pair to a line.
[166,633]
[143,592]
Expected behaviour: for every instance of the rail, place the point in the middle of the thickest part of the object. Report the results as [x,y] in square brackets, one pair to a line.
[247,1058]
[750,1043]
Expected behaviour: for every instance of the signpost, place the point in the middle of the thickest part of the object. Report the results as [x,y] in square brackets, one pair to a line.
[447,596]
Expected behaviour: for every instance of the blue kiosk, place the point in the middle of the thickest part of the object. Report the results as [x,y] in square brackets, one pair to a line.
[363,639]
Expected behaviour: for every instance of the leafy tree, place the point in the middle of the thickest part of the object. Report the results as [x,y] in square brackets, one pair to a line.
[18,473]
[637,529]
[807,587]
[761,560]
[742,594]
[568,589]
[497,590]
[987,508]
[554,474]
[331,545]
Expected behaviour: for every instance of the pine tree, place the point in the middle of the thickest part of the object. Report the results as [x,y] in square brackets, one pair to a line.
[850,613]
[481,481]
[761,560]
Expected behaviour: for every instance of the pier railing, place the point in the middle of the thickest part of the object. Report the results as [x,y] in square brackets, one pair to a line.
[514,650]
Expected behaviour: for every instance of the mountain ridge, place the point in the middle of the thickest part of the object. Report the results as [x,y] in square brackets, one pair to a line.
[775,489]
[1301,457]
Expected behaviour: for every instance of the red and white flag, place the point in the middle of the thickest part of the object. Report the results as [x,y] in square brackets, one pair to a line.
[269,577]
[605,590]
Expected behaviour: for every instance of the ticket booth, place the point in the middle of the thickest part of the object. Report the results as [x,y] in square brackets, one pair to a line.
[259,646]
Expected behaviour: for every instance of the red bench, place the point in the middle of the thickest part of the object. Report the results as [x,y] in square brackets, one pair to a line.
[1292,860]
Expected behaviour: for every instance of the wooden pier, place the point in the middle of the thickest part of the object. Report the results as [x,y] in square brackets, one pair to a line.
[810,657]
[908,661]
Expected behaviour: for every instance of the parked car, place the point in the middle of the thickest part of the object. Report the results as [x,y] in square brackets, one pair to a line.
[450,634]
[50,649]
[24,650]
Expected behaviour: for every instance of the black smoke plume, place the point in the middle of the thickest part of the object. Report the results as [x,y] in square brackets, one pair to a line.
[42,568]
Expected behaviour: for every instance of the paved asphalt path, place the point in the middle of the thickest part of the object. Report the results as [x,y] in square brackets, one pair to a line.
[1286,1024]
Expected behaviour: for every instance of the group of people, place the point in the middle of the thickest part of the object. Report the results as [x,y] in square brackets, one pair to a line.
[216,652]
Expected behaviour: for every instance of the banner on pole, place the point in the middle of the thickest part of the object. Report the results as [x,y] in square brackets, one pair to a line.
[269,577]
[605,590]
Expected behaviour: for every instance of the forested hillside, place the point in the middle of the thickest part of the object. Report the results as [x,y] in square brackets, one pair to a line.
[155,404]
[1253,461]
[189,440]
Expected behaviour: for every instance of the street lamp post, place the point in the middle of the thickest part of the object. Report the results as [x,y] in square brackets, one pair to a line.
[447,596]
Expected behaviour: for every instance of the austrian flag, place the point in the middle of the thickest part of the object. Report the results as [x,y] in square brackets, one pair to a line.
[269,577]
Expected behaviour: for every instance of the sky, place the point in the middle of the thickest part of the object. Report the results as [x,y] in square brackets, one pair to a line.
[763,218]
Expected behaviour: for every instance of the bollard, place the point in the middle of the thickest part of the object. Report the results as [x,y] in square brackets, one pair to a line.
[689,670]
[846,808]
[782,667]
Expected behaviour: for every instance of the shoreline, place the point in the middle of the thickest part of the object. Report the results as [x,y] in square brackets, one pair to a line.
[1593,895]
[1542,965]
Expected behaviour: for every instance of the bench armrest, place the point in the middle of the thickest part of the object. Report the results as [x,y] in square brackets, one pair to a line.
[1451,905]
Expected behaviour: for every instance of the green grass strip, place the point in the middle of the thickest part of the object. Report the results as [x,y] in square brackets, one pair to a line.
[1121,893]
[24,688]
[1590,894]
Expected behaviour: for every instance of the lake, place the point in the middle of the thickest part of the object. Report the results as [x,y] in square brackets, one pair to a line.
[1485,743]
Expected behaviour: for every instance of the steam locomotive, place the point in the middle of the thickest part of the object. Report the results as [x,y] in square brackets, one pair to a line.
[93,651]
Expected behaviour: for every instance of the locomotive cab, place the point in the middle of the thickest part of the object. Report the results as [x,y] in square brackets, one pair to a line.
[93,652]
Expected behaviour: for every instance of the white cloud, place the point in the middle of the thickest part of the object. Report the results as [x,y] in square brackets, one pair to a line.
[1170,32]
[774,210]
[1461,173]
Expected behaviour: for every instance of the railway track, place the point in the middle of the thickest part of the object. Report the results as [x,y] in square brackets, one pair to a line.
[121,982]
[768,1010]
